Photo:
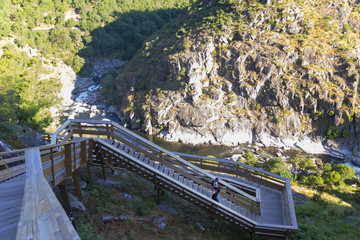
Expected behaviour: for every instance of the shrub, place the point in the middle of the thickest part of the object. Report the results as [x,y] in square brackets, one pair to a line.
[86,231]
[346,172]
[315,180]
[331,177]
[250,159]
[278,166]
[332,132]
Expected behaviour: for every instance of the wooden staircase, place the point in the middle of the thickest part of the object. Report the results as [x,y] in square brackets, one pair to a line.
[256,200]
[176,179]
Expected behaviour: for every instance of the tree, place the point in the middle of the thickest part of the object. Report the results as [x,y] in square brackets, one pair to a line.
[308,164]
[331,177]
[277,166]
[346,172]
[250,159]
[326,167]
[315,180]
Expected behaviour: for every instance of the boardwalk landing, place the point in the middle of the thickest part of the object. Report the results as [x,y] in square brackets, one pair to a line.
[272,209]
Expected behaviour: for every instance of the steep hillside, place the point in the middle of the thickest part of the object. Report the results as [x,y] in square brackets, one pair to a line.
[38,37]
[271,72]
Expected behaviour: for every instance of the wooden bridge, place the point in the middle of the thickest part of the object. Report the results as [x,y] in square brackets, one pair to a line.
[253,199]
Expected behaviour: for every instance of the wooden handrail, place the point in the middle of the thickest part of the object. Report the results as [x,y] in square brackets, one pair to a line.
[61,158]
[83,130]
[50,219]
[284,182]
[72,128]
[161,177]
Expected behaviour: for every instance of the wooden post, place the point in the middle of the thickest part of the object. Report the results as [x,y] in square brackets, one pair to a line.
[212,219]
[101,156]
[83,152]
[52,167]
[107,131]
[158,194]
[158,189]
[68,167]
[89,160]
[252,235]
[77,185]
[66,204]
[74,156]
[80,133]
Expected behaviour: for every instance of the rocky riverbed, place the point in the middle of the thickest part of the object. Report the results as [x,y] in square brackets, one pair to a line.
[82,95]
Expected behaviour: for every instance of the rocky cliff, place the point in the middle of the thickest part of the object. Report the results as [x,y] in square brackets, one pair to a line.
[281,73]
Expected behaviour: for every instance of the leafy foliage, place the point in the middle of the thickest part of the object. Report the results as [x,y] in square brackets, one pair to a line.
[277,166]
[250,159]
[69,30]
[24,98]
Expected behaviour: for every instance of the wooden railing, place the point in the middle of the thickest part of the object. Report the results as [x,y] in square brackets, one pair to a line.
[106,129]
[62,157]
[252,174]
[160,179]
[42,216]
[241,194]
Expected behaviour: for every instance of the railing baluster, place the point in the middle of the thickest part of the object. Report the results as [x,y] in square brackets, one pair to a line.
[52,167]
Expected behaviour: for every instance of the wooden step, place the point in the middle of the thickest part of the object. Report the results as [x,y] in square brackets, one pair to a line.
[132,152]
[171,173]
[126,149]
[136,155]
[156,165]
[190,183]
[116,144]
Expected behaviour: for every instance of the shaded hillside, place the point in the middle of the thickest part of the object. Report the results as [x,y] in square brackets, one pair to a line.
[271,72]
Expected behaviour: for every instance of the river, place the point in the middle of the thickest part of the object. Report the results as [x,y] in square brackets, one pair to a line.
[229,152]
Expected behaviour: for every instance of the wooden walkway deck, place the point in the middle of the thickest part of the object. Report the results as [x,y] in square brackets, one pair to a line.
[256,200]
[11,196]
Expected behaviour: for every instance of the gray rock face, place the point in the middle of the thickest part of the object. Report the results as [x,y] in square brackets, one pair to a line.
[259,87]
[106,218]
[160,222]
[31,138]
[75,203]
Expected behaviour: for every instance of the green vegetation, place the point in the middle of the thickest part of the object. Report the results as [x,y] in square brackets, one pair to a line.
[182,219]
[69,30]
[24,98]
[321,219]
[278,166]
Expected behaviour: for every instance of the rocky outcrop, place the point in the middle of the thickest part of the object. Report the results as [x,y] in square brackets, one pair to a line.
[276,74]
[31,138]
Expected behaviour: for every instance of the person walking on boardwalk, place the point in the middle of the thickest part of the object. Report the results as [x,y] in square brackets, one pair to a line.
[215,189]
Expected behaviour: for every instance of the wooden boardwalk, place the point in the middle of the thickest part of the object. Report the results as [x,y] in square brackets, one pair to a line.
[11,196]
[253,199]
[42,216]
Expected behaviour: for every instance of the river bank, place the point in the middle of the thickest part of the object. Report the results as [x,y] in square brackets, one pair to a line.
[82,99]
